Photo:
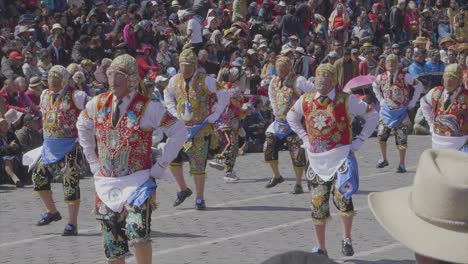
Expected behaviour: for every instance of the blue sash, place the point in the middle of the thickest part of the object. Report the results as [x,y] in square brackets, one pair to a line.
[282,129]
[142,194]
[348,177]
[193,130]
[393,118]
[55,149]
[464,149]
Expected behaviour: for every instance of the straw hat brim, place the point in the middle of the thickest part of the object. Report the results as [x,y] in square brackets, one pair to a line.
[392,210]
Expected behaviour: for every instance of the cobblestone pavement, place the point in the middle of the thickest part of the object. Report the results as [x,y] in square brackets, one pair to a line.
[244,223]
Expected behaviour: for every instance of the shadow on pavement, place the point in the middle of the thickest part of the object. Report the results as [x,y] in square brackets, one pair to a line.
[242,180]
[260,208]
[383,261]
[173,235]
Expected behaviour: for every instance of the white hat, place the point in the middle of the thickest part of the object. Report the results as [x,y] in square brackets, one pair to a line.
[160,78]
[171,71]
[13,116]
[282,3]
[57,26]
[175,3]
[431,216]
[300,50]
[285,50]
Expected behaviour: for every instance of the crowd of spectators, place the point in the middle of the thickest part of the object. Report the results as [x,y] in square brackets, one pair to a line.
[85,35]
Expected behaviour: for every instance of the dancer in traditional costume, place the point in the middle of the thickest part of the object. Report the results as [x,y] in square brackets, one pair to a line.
[227,128]
[392,89]
[60,105]
[327,138]
[121,122]
[446,110]
[190,96]
[285,88]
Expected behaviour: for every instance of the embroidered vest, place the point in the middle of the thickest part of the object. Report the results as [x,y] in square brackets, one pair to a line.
[328,123]
[284,96]
[125,148]
[453,121]
[193,107]
[398,94]
[60,117]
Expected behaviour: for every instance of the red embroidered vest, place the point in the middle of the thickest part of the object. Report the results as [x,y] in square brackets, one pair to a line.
[398,94]
[452,122]
[125,148]
[284,96]
[60,117]
[328,123]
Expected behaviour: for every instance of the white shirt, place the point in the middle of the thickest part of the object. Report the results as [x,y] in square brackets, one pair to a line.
[196,27]
[410,81]
[211,86]
[302,86]
[151,119]
[79,98]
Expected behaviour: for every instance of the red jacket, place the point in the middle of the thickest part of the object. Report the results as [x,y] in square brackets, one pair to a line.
[21,104]
[144,67]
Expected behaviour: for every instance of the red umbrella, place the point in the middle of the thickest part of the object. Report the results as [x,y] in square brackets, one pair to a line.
[360,82]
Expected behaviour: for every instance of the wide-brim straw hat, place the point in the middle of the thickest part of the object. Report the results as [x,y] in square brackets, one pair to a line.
[420,40]
[430,217]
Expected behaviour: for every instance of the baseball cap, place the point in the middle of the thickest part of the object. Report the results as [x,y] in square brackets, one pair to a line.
[160,78]
[30,117]
[14,55]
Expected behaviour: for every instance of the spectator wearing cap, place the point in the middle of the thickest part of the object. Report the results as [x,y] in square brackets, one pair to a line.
[160,84]
[34,90]
[195,32]
[364,65]
[30,136]
[11,67]
[444,44]
[434,68]
[24,35]
[346,68]
[30,67]
[417,70]
[56,51]
[332,57]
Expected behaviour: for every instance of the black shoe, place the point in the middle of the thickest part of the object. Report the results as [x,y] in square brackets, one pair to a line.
[70,230]
[297,189]
[181,196]
[318,251]
[274,181]
[347,247]
[200,204]
[381,164]
[401,169]
[47,218]
[19,184]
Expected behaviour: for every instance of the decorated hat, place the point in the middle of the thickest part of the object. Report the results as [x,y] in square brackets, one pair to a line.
[453,70]
[327,69]
[187,56]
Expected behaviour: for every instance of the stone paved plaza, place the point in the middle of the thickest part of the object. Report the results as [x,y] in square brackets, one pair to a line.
[244,223]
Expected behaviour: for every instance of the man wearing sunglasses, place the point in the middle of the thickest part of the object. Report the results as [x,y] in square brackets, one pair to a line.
[122,121]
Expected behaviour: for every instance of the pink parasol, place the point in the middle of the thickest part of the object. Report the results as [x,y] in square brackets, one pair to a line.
[360,82]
